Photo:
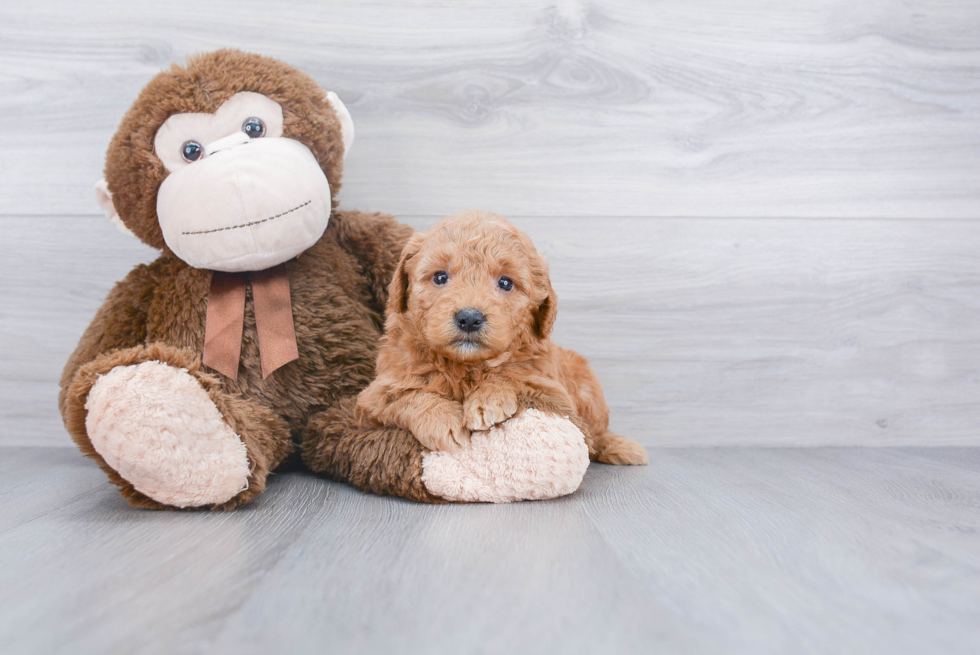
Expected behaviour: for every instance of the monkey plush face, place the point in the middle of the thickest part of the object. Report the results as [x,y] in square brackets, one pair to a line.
[230,163]
[240,196]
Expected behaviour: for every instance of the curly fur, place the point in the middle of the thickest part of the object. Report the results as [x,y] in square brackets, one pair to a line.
[439,382]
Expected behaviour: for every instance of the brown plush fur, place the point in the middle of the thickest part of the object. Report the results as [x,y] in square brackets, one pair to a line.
[338,287]
[440,382]
[134,173]
[385,461]
[346,445]
[266,435]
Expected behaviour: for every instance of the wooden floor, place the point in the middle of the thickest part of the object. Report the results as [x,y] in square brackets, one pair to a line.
[734,550]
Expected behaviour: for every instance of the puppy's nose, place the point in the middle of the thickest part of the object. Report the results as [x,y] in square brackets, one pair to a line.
[469,320]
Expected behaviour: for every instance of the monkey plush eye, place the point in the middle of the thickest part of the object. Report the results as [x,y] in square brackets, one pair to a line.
[191,151]
[505,283]
[254,127]
[440,278]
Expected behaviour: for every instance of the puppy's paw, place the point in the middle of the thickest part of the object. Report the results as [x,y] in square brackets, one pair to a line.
[482,411]
[443,428]
[614,449]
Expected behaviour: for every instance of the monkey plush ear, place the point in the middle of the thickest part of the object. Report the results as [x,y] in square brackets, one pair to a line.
[346,123]
[104,198]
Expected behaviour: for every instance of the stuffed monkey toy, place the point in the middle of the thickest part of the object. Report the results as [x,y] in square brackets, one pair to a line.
[259,323]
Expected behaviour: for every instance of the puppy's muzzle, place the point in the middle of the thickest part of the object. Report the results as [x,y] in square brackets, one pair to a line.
[470,320]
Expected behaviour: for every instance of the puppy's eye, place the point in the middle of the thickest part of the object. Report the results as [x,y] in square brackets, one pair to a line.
[191,151]
[254,128]
[440,278]
[505,283]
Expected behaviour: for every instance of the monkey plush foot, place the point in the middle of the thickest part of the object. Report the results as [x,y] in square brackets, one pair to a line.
[157,428]
[533,456]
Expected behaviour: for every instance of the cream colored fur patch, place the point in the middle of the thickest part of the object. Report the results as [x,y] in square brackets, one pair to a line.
[532,456]
[157,427]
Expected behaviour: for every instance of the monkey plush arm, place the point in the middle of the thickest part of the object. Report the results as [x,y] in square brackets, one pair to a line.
[537,454]
[220,459]
[376,242]
[342,444]
[238,442]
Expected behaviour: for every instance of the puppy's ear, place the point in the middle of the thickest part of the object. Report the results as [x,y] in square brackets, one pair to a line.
[547,312]
[398,289]
[544,318]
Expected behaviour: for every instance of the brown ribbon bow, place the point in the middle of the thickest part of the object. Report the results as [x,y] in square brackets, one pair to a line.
[226,320]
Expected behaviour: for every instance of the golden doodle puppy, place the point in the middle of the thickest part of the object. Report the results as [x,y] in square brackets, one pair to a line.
[470,311]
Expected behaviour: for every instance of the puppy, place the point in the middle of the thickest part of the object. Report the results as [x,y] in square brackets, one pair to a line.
[467,344]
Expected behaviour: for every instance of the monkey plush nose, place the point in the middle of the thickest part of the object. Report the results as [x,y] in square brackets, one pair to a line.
[233,139]
[469,320]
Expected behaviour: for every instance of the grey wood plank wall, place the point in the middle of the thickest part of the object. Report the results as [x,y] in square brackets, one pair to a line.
[762,218]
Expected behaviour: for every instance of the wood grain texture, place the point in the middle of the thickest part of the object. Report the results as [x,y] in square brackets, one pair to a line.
[703,331]
[704,551]
[711,183]
[58,270]
[547,108]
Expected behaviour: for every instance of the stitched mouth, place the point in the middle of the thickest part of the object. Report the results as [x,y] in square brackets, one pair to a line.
[264,220]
